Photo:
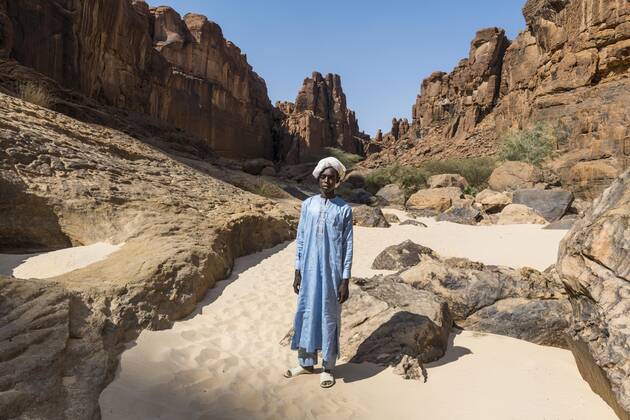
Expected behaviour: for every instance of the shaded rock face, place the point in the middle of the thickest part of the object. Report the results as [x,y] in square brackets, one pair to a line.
[319,118]
[150,61]
[551,204]
[384,320]
[594,264]
[404,255]
[568,67]
[369,217]
[84,183]
[525,303]
[460,213]
[392,195]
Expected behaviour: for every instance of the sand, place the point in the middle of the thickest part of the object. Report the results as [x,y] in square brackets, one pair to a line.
[225,361]
[55,263]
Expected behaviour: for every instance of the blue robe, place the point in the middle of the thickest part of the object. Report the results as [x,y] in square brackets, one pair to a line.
[324,258]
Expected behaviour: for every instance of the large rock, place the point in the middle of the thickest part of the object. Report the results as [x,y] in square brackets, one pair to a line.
[514,175]
[492,201]
[367,216]
[515,214]
[523,303]
[436,199]
[464,214]
[319,118]
[403,255]
[180,71]
[447,180]
[594,264]
[551,204]
[182,222]
[392,194]
[385,320]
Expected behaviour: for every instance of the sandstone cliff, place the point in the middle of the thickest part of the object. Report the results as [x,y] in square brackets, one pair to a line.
[146,60]
[569,67]
[64,183]
[319,118]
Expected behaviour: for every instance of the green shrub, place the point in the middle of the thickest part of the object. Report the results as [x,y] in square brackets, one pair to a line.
[35,93]
[533,145]
[409,178]
[348,159]
[476,170]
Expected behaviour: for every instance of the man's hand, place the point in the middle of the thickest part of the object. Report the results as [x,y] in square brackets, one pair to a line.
[297,281]
[344,293]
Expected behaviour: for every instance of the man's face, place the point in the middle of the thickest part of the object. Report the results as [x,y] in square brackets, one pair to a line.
[328,179]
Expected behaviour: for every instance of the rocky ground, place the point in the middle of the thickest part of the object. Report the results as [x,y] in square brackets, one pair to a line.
[65,183]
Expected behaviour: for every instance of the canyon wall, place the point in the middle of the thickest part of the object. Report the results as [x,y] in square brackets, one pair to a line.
[146,60]
[569,68]
[319,118]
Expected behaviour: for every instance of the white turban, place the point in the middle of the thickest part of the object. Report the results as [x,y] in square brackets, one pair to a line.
[330,162]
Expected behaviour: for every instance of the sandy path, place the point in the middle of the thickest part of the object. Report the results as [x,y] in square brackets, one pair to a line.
[225,361]
[55,263]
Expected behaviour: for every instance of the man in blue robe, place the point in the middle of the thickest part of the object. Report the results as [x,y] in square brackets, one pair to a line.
[322,272]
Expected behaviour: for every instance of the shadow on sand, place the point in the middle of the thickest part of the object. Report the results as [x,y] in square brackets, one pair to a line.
[352,372]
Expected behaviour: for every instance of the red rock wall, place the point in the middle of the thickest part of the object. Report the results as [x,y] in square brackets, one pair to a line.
[181,71]
[319,118]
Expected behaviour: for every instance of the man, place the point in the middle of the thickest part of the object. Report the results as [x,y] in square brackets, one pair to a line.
[322,272]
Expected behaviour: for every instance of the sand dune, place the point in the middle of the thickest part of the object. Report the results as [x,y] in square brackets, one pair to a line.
[225,361]
[55,263]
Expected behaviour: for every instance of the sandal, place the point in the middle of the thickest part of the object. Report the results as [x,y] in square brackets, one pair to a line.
[326,379]
[298,370]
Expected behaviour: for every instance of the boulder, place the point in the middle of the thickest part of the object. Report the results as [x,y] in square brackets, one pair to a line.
[514,214]
[385,320]
[594,264]
[551,204]
[462,214]
[492,201]
[256,166]
[404,255]
[268,171]
[368,217]
[356,177]
[447,180]
[392,195]
[513,175]
[434,199]
[391,218]
[359,196]
[522,303]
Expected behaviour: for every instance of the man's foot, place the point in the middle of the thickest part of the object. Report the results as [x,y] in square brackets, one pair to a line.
[298,370]
[326,379]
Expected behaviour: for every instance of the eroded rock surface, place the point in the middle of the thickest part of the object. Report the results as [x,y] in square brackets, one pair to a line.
[594,264]
[83,183]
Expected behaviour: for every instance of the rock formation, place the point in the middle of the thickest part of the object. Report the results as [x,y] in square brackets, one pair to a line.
[149,61]
[319,118]
[71,183]
[569,68]
[594,264]
[523,303]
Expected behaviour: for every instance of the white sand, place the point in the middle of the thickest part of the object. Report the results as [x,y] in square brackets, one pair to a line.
[55,263]
[225,362]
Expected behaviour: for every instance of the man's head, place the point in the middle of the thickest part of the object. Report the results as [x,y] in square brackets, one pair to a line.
[329,172]
[328,180]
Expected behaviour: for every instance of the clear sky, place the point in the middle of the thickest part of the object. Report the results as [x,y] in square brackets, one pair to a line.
[381,49]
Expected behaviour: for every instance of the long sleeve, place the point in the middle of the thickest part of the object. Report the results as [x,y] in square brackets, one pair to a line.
[347,245]
[299,241]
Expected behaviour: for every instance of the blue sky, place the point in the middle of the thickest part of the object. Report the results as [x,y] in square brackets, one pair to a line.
[381,49]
